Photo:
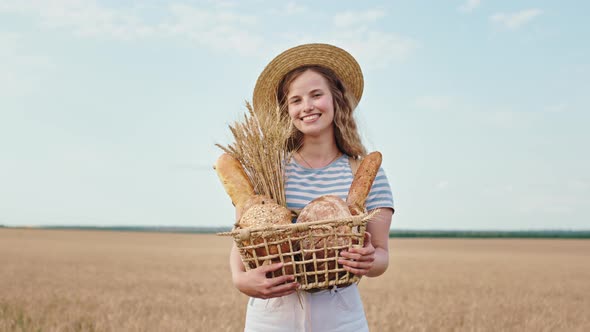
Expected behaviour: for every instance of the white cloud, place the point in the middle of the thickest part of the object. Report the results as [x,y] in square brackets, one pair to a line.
[469,6]
[288,9]
[213,27]
[442,185]
[217,28]
[374,48]
[353,18]
[293,8]
[515,20]
[82,17]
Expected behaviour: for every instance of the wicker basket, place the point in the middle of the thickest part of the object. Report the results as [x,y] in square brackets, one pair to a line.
[310,250]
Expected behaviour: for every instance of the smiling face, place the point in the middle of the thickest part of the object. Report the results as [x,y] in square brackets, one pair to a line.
[310,104]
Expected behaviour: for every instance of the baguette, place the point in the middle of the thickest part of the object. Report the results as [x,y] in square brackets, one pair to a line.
[234,180]
[362,182]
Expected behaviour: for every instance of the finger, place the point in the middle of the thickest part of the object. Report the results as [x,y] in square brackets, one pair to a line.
[361,255]
[272,282]
[280,290]
[271,267]
[357,264]
[291,286]
[368,258]
[367,252]
[351,255]
[358,272]
[368,238]
[360,251]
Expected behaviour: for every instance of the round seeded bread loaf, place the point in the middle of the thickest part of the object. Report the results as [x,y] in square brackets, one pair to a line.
[262,211]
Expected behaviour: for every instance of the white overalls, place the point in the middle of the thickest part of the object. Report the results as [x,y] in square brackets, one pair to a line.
[333,310]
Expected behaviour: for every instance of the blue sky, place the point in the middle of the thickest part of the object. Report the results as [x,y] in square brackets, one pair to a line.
[109,110]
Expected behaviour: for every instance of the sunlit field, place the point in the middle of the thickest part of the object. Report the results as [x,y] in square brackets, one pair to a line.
[59,280]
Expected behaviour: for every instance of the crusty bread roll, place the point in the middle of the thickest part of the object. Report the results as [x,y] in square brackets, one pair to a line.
[326,207]
[234,179]
[362,182]
[250,202]
[260,211]
[267,212]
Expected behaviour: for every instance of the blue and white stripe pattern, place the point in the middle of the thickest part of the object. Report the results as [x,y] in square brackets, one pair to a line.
[305,184]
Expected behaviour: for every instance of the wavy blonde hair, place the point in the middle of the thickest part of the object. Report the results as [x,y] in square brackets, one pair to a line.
[346,133]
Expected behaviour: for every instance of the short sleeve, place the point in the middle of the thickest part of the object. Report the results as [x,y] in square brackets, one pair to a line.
[380,195]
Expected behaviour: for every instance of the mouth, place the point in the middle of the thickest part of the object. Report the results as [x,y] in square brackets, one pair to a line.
[310,118]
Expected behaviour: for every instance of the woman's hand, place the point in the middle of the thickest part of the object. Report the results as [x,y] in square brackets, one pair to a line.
[359,260]
[254,282]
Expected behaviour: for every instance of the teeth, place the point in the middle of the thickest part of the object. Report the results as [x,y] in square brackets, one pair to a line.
[310,117]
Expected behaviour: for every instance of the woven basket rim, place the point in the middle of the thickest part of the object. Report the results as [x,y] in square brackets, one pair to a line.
[294,226]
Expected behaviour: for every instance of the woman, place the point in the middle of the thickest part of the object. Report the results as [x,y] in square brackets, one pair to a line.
[319,86]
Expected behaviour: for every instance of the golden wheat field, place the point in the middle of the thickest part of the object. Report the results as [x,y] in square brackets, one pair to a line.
[59,280]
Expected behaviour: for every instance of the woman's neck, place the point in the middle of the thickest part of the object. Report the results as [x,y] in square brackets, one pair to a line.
[317,153]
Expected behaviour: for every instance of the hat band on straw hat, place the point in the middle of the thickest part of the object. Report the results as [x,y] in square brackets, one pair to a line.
[338,60]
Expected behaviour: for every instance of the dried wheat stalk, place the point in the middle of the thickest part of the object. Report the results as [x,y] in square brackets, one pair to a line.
[261,146]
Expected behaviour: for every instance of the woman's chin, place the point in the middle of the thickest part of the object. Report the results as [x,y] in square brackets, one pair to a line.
[316,131]
[312,133]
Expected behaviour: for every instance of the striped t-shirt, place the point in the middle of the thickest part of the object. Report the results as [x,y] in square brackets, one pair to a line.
[305,184]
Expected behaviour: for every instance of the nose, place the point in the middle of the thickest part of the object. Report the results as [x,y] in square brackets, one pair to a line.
[307,105]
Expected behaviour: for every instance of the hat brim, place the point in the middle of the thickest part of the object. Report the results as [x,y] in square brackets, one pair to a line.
[338,60]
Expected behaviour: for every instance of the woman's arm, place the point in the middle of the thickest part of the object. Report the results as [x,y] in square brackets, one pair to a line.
[371,260]
[254,282]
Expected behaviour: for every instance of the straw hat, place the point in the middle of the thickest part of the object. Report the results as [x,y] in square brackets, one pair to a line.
[332,57]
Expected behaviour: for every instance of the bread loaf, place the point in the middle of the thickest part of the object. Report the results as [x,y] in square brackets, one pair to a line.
[250,202]
[260,211]
[362,182]
[328,207]
[234,179]
[265,213]
[325,207]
